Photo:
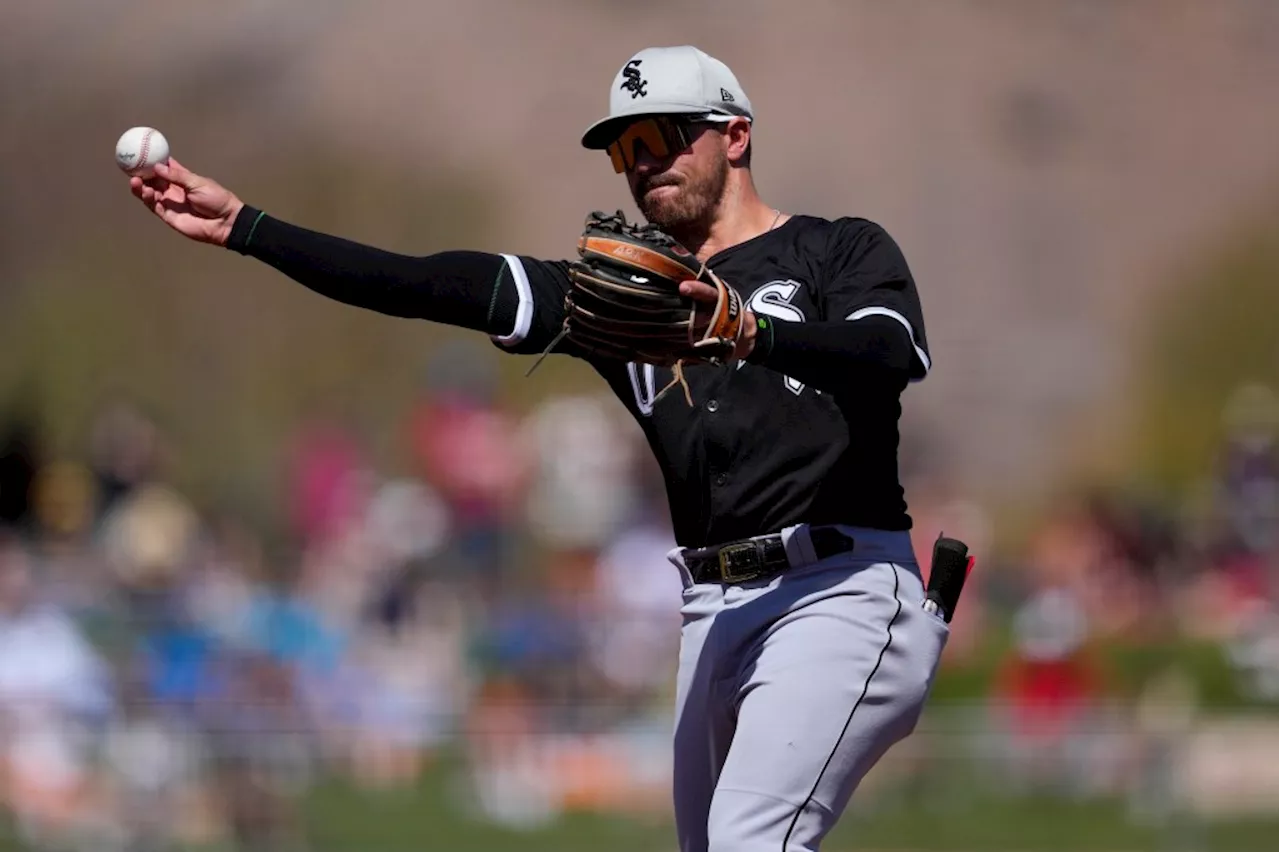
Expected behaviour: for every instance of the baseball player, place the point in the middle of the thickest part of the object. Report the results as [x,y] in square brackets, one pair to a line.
[806,651]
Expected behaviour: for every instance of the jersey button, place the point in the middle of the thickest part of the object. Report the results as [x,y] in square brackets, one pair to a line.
[722,479]
[713,406]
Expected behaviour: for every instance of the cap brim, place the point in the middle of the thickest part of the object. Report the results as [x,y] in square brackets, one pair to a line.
[602,134]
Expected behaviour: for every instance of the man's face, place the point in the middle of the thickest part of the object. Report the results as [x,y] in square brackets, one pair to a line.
[683,188]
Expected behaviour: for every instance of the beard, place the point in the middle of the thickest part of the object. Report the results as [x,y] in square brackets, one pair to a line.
[691,206]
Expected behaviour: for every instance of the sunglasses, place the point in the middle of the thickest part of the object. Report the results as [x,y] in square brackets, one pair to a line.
[661,135]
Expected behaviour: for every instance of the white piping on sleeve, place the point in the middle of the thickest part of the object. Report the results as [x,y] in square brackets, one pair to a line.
[524,311]
[886,312]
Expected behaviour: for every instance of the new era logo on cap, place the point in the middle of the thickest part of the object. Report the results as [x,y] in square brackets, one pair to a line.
[669,80]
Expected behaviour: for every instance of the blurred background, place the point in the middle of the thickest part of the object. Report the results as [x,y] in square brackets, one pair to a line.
[280,574]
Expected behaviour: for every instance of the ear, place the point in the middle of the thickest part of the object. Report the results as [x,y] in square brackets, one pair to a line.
[737,134]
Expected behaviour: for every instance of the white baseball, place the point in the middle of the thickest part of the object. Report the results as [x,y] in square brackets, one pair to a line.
[139,149]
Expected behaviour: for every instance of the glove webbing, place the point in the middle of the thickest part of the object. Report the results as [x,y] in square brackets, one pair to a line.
[677,370]
[678,378]
[564,329]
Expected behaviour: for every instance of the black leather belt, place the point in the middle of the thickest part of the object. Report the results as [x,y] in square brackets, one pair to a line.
[754,558]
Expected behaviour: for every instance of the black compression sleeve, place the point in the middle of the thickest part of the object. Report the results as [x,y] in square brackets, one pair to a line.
[458,288]
[830,356]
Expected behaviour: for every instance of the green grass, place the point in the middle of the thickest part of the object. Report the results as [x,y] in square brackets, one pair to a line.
[437,816]
[342,818]
[434,816]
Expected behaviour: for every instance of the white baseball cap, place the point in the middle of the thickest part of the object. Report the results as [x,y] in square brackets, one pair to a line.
[669,80]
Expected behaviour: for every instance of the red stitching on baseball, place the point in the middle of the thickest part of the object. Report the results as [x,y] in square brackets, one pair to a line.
[146,149]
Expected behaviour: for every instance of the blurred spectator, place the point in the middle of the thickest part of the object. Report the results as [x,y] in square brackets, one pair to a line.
[54,691]
[465,446]
[1242,546]
[407,522]
[1049,686]
[414,688]
[539,645]
[125,450]
[19,461]
[327,483]
[262,753]
[636,605]
[70,562]
[1164,720]
[65,501]
[1254,652]
[1232,595]
[152,772]
[148,536]
[1247,474]
[584,451]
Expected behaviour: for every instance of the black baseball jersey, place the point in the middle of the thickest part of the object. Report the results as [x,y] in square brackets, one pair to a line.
[759,451]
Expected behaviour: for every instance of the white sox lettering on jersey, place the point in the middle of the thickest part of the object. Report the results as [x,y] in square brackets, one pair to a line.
[774,300]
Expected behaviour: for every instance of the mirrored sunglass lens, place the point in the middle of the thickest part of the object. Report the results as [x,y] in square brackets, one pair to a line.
[615,156]
[649,133]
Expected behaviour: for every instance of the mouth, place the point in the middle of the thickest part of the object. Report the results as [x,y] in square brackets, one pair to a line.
[657,187]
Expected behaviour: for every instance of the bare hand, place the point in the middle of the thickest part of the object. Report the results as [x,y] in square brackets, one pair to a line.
[705,294]
[192,205]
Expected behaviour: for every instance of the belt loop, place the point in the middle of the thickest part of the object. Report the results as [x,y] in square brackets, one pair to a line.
[676,557]
[799,546]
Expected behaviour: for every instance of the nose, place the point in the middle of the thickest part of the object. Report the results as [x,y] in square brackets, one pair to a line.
[646,162]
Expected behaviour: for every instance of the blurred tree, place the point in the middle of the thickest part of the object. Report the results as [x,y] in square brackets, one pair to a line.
[1214,334]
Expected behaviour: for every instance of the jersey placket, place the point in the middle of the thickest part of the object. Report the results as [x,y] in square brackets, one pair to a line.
[718,441]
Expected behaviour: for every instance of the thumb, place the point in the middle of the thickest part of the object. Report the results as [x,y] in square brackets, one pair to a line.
[699,291]
[175,172]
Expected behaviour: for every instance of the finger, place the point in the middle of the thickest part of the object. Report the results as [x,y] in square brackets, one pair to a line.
[699,291]
[168,211]
[177,173]
[155,183]
[158,183]
[171,205]
[144,190]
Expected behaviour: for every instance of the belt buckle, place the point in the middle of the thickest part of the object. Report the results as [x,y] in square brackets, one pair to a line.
[729,562]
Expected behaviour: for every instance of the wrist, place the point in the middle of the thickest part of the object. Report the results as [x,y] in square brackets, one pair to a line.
[229,216]
[747,339]
[761,335]
[242,227]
